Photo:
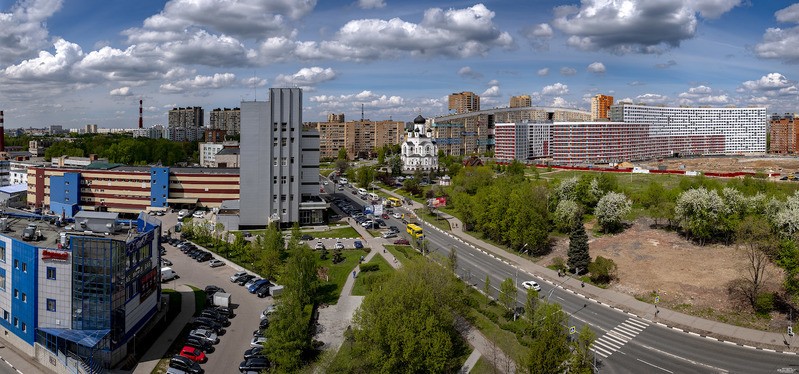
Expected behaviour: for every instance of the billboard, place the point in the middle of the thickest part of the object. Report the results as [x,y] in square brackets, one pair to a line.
[438,202]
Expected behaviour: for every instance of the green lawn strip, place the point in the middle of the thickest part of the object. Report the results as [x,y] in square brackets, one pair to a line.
[330,290]
[199,300]
[367,281]
[403,253]
[343,232]
[432,219]
[174,348]
[483,366]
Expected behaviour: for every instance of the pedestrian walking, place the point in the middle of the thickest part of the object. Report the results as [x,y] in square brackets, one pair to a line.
[353,274]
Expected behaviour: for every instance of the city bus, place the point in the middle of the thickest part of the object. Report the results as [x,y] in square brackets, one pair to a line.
[393,201]
[414,231]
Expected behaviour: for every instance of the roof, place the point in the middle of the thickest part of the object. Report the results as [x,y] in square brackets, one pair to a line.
[419,120]
[229,151]
[99,165]
[14,188]
[98,215]
[230,204]
[86,338]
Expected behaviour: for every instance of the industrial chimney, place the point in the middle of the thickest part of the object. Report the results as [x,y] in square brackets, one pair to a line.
[2,133]
[141,121]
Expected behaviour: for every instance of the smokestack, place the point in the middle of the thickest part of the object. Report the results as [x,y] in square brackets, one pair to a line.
[141,121]
[2,133]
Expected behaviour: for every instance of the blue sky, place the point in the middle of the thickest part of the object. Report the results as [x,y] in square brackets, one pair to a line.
[73,62]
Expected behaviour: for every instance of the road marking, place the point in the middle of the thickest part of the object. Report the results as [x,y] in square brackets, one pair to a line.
[655,366]
[719,370]
[617,337]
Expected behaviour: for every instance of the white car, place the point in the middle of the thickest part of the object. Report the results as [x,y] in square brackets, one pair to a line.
[258,341]
[319,245]
[198,214]
[396,215]
[237,275]
[531,285]
[216,263]
[339,245]
[389,234]
[206,335]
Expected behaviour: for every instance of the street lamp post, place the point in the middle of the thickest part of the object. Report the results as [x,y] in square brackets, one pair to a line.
[517,267]
[560,284]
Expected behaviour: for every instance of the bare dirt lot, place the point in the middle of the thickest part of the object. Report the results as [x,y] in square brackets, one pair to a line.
[770,164]
[690,278]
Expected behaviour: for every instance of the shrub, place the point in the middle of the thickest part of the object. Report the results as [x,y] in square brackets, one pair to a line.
[559,263]
[369,267]
[764,304]
[603,270]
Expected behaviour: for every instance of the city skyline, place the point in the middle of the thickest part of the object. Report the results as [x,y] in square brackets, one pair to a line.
[71,63]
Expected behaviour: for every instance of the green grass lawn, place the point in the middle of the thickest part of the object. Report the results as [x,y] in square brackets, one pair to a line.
[368,281]
[505,340]
[330,290]
[403,253]
[483,366]
[433,219]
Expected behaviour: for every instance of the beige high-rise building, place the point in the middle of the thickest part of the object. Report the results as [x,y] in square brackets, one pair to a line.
[360,138]
[600,107]
[521,101]
[333,117]
[464,102]
[187,117]
[226,119]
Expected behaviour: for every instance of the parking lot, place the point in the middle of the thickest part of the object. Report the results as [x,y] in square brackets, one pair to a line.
[236,339]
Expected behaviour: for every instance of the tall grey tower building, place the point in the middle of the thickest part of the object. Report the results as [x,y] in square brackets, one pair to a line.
[279,163]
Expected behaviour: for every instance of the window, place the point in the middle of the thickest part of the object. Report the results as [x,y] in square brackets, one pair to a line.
[50,272]
[51,305]
[16,264]
[16,293]
[283,180]
[16,322]
[283,161]
[24,327]
[6,315]
[24,267]
[24,297]
[3,251]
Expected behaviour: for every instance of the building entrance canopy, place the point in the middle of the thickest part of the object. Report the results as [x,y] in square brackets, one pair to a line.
[86,338]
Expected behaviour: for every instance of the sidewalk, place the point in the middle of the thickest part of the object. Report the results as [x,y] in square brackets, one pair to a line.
[618,300]
[159,348]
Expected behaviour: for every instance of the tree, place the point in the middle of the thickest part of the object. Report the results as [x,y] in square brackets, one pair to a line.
[342,154]
[395,163]
[549,350]
[698,212]
[507,294]
[381,156]
[452,260]
[579,258]
[567,214]
[411,185]
[487,287]
[515,168]
[365,175]
[407,326]
[342,166]
[530,304]
[582,357]
[603,270]
[299,277]
[611,209]
[754,238]
[287,336]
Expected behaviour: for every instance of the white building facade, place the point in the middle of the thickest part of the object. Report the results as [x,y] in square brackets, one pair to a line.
[419,151]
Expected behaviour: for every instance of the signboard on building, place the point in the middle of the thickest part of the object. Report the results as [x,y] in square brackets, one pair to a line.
[49,254]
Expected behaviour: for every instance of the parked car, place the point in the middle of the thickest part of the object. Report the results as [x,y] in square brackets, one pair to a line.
[244,279]
[254,352]
[256,364]
[204,257]
[195,342]
[393,228]
[263,324]
[358,244]
[182,363]
[402,241]
[319,245]
[214,263]
[254,287]
[258,341]
[339,245]
[223,310]
[165,262]
[259,333]
[198,214]
[205,334]
[236,276]
[221,319]
[389,234]
[210,290]
[384,216]
[306,237]
[193,354]
[263,290]
[251,282]
[397,215]
[207,323]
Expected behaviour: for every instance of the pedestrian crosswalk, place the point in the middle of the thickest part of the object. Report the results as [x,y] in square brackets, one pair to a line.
[616,338]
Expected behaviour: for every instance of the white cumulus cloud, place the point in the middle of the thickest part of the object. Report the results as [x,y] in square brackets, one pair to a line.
[200,82]
[596,68]
[555,89]
[371,4]
[306,77]
[121,91]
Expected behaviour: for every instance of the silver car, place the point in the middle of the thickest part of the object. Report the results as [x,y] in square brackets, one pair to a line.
[237,275]
[216,263]
[206,335]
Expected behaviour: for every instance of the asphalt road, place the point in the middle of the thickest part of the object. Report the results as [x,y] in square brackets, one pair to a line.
[230,350]
[625,344]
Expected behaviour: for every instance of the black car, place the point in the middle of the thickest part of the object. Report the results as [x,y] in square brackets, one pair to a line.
[306,237]
[212,289]
[223,310]
[205,322]
[204,257]
[183,363]
[200,344]
[244,279]
[263,324]
[224,321]
[258,333]
[195,254]
[254,364]
[254,352]
[393,229]
[263,291]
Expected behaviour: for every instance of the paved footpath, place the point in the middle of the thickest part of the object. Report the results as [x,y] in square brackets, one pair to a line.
[626,303]
[157,350]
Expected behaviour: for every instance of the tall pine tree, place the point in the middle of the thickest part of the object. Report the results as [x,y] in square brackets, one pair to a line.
[578,249]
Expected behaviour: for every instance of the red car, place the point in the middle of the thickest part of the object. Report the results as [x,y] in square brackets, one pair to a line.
[385,216]
[402,242]
[193,354]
